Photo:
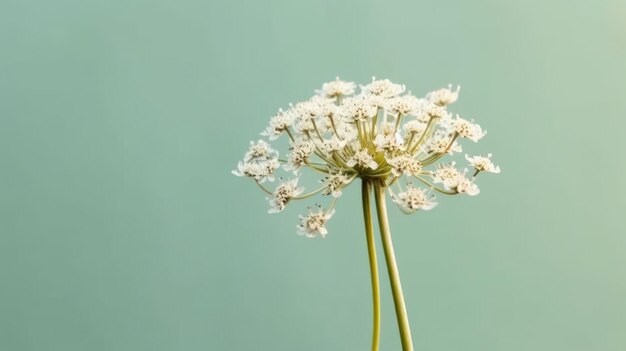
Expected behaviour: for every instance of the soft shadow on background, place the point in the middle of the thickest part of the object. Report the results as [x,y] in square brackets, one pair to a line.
[121,227]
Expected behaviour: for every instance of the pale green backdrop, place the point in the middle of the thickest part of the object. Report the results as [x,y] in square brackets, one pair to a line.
[122,228]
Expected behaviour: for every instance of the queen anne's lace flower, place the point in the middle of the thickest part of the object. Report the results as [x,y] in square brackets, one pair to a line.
[482,164]
[443,97]
[278,124]
[404,165]
[413,199]
[298,154]
[336,88]
[362,159]
[314,223]
[283,194]
[381,134]
[334,183]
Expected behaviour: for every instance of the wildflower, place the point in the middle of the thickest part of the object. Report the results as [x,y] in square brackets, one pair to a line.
[482,164]
[278,124]
[299,152]
[283,194]
[413,199]
[314,223]
[334,183]
[362,159]
[404,165]
[337,88]
[443,97]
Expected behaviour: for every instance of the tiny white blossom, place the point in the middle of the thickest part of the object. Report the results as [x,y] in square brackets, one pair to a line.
[404,165]
[335,183]
[363,159]
[334,144]
[447,175]
[259,151]
[442,142]
[358,108]
[414,199]
[278,124]
[389,142]
[467,129]
[283,194]
[260,171]
[414,127]
[482,164]
[336,88]
[466,186]
[383,88]
[402,105]
[300,150]
[445,96]
[314,223]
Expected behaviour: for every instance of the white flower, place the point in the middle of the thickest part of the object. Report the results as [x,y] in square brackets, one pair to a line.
[414,127]
[259,151]
[467,129]
[447,175]
[336,88]
[334,144]
[260,171]
[314,223]
[442,142]
[362,158]
[383,88]
[309,109]
[443,97]
[402,105]
[299,152]
[482,164]
[466,186]
[278,124]
[358,108]
[413,199]
[283,193]
[334,183]
[404,165]
[389,142]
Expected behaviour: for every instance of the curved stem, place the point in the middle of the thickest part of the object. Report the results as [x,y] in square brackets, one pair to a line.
[392,268]
[371,251]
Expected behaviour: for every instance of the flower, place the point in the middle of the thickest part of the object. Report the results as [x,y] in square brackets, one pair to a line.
[379,133]
[283,194]
[404,165]
[334,183]
[299,152]
[413,199]
[447,175]
[466,186]
[314,223]
[467,129]
[362,159]
[443,97]
[279,123]
[336,88]
[482,164]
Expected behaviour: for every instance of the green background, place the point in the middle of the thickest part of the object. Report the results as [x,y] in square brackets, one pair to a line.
[123,229]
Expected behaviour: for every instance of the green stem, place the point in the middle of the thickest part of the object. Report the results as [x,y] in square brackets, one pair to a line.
[392,268]
[371,251]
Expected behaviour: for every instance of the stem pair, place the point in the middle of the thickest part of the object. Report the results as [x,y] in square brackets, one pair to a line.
[394,276]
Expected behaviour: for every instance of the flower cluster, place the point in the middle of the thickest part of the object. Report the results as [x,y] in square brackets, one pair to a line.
[382,133]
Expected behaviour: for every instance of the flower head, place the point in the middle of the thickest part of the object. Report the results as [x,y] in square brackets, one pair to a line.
[413,199]
[283,194]
[314,223]
[381,134]
[482,164]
